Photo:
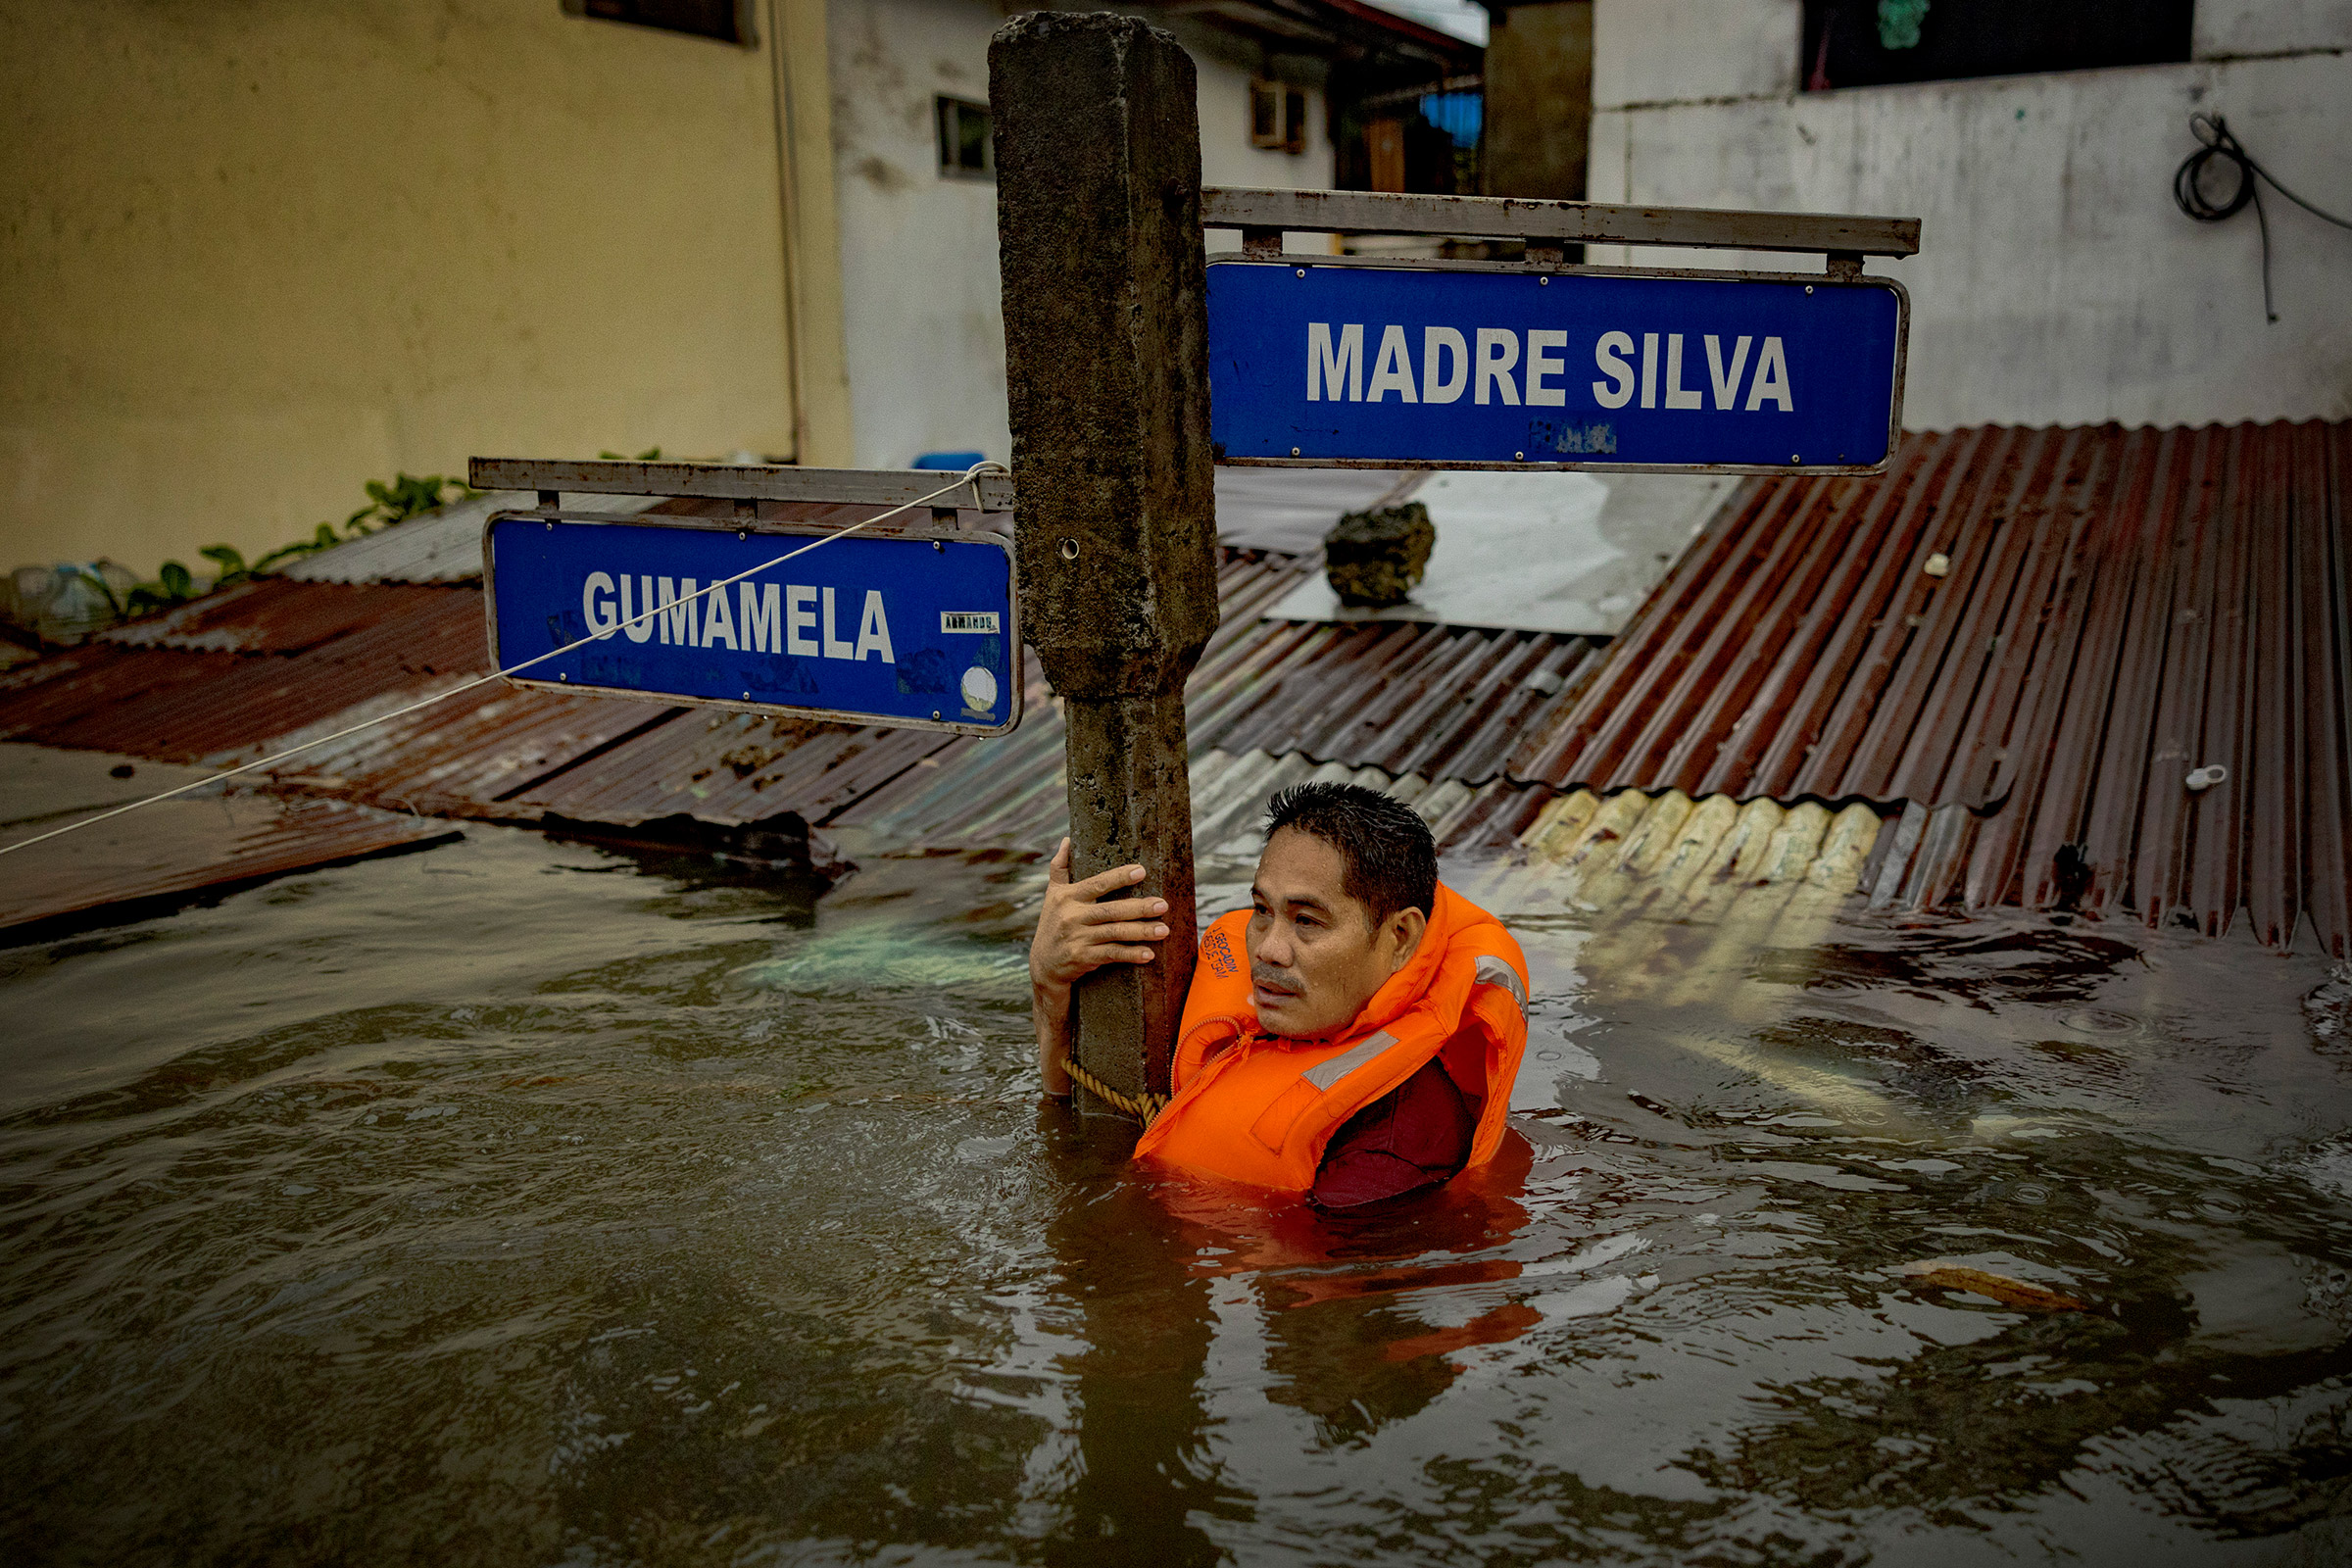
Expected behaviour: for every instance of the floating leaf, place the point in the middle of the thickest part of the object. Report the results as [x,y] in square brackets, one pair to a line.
[1997,1286]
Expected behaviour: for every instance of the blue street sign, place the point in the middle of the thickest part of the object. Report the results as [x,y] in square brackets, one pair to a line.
[1472,366]
[902,629]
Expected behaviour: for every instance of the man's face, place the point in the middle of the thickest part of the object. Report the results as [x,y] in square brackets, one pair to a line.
[1315,958]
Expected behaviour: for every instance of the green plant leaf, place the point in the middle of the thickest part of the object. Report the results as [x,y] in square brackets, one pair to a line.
[98,581]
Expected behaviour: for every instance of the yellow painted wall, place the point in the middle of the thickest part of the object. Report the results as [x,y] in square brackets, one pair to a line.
[256,252]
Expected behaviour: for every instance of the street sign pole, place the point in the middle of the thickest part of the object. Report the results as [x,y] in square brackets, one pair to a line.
[1097,153]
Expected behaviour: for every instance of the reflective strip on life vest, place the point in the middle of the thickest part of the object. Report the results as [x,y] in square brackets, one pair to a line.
[1494,971]
[1323,1074]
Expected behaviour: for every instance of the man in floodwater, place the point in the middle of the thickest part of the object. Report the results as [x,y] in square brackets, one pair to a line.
[1352,1034]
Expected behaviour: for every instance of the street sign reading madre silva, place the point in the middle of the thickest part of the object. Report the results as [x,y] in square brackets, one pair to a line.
[912,630]
[1431,366]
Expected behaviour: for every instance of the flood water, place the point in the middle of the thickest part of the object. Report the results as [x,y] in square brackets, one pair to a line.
[516,1201]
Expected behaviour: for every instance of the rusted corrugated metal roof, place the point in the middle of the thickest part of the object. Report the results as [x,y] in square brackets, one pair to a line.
[2122,606]
[1404,698]
[316,651]
[186,848]
[266,616]
[467,756]
[1410,700]
[731,767]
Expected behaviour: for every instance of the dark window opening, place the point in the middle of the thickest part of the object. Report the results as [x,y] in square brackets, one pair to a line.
[963,144]
[1277,116]
[727,21]
[1868,43]
[1265,114]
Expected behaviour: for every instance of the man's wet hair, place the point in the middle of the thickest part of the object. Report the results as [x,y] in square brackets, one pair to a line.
[1387,861]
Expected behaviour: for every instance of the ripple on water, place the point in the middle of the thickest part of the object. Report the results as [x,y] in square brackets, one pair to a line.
[599,1216]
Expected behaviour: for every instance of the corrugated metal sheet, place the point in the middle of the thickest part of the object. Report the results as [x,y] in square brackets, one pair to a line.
[1418,700]
[469,757]
[1405,698]
[186,707]
[1412,700]
[1678,857]
[269,615]
[2122,606]
[1228,797]
[731,767]
[188,849]
[1230,792]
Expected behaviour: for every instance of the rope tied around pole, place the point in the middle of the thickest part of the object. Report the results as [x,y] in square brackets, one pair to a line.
[1142,1108]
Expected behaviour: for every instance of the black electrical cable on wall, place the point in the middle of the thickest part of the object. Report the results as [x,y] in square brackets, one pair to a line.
[2214,132]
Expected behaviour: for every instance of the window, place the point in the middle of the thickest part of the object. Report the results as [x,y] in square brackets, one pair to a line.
[1865,43]
[964,149]
[1277,116]
[727,21]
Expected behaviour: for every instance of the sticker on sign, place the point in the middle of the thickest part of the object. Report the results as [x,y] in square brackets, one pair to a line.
[977,621]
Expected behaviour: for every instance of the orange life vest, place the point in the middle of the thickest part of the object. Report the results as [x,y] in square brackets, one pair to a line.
[1260,1109]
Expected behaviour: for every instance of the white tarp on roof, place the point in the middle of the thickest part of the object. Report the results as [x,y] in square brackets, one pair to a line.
[441,545]
[1559,552]
[1291,510]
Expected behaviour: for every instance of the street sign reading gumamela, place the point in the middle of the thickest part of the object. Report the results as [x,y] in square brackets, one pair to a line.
[1475,366]
[903,629]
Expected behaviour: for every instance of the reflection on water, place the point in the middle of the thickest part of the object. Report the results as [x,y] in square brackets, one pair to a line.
[510,1202]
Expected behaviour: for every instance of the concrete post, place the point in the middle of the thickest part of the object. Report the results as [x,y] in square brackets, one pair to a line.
[1098,147]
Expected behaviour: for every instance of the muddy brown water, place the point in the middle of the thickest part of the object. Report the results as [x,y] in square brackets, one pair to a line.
[517,1202]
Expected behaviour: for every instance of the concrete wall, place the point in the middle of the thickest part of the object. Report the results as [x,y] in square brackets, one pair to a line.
[258,252]
[2057,283]
[1539,108]
[922,313]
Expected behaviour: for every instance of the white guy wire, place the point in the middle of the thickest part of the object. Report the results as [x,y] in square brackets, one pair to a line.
[968,476]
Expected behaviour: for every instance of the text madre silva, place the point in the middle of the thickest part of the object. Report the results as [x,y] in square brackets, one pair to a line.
[1366,364]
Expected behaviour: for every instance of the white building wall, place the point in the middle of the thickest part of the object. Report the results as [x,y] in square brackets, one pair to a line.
[2057,284]
[921,297]
[924,332]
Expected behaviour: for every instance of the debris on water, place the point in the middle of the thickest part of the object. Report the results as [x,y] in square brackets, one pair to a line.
[2330,1008]
[784,842]
[1996,1287]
